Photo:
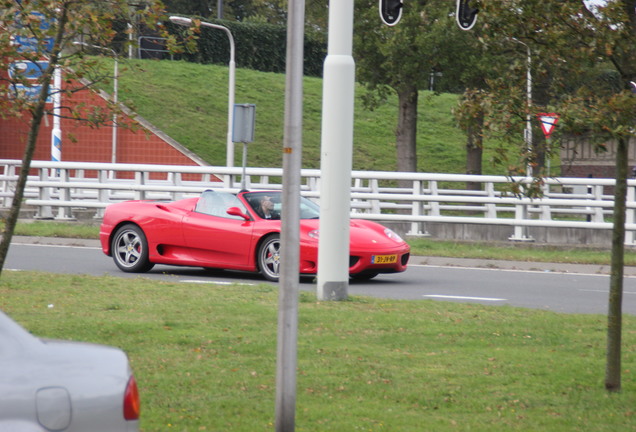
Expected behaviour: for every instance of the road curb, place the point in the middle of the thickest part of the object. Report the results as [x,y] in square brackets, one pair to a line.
[546,267]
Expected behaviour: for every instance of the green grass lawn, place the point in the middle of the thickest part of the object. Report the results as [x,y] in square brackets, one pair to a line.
[205,357]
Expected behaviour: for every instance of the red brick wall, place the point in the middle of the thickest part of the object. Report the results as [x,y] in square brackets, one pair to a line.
[81,143]
[595,171]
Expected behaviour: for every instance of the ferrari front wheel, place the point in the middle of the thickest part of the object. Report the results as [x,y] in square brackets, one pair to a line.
[130,249]
[269,258]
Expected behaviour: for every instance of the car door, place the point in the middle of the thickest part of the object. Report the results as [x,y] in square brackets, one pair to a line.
[215,238]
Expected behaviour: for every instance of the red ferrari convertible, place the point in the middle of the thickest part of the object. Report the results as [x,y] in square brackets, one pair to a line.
[235,232]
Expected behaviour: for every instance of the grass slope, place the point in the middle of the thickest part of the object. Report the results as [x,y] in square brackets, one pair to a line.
[189,102]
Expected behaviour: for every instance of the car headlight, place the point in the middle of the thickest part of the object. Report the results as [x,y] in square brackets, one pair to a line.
[392,235]
[313,234]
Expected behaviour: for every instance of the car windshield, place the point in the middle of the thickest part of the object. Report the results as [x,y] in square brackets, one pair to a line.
[216,204]
[269,205]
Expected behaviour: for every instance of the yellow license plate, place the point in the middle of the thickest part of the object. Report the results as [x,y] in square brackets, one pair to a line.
[383,259]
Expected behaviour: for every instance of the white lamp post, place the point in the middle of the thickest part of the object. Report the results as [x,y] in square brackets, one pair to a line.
[336,154]
[528,134]
[230,100]
[113,156]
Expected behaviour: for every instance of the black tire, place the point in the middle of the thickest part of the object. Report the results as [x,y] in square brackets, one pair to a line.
[364,276]
[130,249]
[268,258]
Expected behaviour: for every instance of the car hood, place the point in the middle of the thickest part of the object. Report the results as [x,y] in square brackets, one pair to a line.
[362,233]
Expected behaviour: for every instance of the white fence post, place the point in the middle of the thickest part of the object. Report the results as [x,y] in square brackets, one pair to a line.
[521,230]
[629,215]
[546,213]
[44,193]
[64,191]
[491,208]
[9,177]
[434,205]
[140,180]
[598,211]
[417,228]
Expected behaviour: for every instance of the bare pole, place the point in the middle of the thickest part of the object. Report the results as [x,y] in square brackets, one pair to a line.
[528,129]
[290,223]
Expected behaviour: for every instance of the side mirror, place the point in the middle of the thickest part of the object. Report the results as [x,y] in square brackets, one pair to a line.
[235,211]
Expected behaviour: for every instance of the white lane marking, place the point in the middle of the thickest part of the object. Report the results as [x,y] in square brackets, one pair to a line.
[215,282]
[606,291]
[58,246]
[464,298]
[549,272]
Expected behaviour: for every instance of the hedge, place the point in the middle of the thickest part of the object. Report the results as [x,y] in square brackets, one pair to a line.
[257,46]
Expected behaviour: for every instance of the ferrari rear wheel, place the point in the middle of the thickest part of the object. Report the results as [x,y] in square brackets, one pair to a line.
[269,258]
[130,249]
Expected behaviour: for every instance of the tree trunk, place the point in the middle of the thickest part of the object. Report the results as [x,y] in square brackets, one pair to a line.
[474,150]
[14,212]
[36,119]
[615,314]
[407,129]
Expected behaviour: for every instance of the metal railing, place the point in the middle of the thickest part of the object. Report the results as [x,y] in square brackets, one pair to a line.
[158,51]
[55,189]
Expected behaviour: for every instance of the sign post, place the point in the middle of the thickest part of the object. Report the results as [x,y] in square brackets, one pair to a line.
[56,133]
[243,130]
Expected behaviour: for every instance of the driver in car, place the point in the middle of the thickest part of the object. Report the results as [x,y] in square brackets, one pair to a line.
[266,209]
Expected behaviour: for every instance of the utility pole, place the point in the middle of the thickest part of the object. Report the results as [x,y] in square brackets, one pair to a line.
[290,223]
[336,154]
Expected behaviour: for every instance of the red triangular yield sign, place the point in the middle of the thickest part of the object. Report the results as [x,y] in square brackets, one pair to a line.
[548,122]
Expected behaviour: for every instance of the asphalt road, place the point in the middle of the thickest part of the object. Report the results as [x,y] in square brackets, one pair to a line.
[555,287]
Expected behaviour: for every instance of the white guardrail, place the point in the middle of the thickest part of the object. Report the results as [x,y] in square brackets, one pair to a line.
[56,188]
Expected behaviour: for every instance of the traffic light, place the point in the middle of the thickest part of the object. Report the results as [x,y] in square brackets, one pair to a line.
[466,16]
[391,11]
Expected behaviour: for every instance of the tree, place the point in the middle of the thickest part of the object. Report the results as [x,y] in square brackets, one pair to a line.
[275,12]
[400,59]
[269,11]
[471,113]
[40,34]
[576,36]
[203,8]
[470,66]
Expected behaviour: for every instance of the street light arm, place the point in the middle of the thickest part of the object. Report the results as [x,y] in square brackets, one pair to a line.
[226,30]
[183,21]
[187,22]
[96,47]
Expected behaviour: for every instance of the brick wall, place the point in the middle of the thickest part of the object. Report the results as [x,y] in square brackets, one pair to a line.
[581,158]
[81,143]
